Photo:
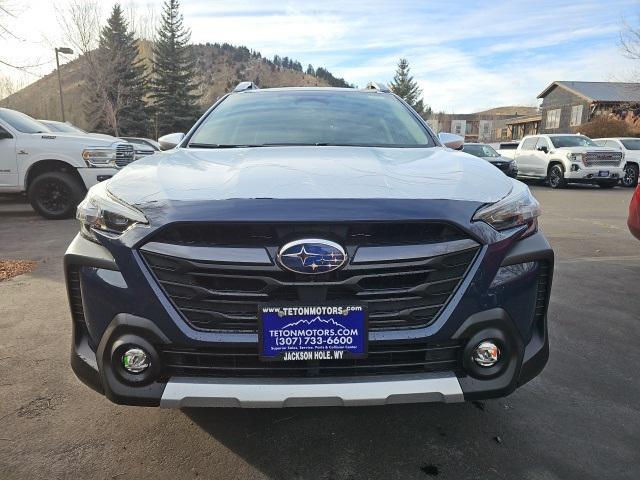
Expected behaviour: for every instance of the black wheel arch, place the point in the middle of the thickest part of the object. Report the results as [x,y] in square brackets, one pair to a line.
[46,166]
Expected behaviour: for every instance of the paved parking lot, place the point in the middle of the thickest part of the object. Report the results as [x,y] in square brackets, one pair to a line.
[579,419]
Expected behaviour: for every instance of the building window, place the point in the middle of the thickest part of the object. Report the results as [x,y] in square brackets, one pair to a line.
[553,118]
[458,127]
[576,115]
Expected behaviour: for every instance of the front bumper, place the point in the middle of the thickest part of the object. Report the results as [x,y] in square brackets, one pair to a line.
[592,174]
[93,175]
[506,314]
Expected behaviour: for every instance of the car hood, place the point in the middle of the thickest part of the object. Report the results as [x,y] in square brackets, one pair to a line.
[499,159]
[97,140]
[586,149]
[192,175]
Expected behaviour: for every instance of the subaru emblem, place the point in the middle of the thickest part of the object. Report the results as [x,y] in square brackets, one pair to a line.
[311,255]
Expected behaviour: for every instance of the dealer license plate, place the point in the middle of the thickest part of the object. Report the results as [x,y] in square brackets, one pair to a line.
[603,173]
[312,332]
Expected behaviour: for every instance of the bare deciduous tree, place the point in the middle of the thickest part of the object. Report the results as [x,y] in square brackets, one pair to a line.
[630,41]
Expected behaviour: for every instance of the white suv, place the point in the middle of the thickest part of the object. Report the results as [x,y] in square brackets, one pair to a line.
[631,148]
[562,159]
[54,169]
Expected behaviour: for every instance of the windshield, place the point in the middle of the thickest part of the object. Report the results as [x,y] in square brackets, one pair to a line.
[631,144]
[62,127]
[311,117]
[23,123]
[560,141]
[480,150]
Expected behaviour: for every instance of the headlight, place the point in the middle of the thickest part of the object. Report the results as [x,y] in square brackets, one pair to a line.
[517,208]
[574,157]
[99,156]
[103,212]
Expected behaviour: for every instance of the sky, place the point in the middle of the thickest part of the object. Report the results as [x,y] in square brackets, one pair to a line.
[466,56]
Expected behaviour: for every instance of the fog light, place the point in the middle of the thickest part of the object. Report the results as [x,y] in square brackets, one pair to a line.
[135,360]
[486,354]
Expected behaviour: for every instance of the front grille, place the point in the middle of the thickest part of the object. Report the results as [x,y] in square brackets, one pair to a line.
[270,234]
[502,166]
[602,159]
[124,154]
[398,295]
[383,359]
[75,295]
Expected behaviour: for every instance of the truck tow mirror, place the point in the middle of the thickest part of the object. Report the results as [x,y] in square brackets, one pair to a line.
[543,149]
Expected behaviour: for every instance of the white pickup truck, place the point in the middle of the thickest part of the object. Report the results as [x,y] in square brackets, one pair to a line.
[569,158]
[54,169]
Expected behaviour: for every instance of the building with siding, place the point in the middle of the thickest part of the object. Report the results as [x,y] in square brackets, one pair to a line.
[567,105]
[486,126]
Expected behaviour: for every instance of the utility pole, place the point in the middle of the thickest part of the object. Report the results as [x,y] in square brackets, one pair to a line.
[69,52]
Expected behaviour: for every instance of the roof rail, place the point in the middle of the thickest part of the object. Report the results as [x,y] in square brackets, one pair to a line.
[380,87]
[242,86]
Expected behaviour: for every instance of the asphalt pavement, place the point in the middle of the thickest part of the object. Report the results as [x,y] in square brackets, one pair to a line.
[579,419]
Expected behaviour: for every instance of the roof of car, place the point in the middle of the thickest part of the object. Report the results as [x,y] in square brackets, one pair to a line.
[310,89]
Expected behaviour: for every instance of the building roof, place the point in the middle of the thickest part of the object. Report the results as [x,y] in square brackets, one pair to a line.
[599,91]
[527,119]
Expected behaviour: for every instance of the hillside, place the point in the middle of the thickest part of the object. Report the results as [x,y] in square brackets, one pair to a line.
[219,69]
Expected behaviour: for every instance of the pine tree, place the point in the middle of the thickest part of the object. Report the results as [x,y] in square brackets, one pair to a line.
[406,87]
[118,85]
[173,85]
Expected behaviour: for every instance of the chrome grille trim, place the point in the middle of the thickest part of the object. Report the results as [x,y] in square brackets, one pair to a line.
[596,159]
[125,154]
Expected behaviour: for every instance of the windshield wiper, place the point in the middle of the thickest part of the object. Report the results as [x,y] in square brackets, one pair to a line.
[220,145]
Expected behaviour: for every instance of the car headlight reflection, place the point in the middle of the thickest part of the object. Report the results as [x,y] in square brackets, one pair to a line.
[101,211]
[516,209]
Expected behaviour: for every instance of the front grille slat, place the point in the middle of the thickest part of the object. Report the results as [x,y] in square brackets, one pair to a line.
[243,361]
[398,294]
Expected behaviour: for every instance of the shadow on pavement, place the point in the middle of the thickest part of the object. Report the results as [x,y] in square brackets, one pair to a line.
[401,441]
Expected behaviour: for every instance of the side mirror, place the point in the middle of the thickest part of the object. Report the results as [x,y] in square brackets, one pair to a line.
[543,149]
[4,134]
[167,142]
[450,140]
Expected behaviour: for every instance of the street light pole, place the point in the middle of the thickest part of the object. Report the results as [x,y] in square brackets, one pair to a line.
[70,52]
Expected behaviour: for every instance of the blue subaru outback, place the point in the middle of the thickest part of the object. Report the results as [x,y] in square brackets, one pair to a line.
[308,246]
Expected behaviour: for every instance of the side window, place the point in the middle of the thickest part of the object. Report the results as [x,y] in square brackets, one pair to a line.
[4,133]
[529,143]
[600,143]
[542,142]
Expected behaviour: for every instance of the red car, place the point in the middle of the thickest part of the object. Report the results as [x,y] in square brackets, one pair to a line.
[634,214]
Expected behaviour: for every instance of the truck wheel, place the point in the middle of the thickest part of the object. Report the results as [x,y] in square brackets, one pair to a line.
[630,178]
[555,177]
[608,184]
[55,195]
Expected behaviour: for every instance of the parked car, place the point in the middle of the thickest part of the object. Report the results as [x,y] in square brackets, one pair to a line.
[507,149]
[308,246]
[568,158]
[486,152]
[631,149]
[634,214]
[54,169]
[143,146]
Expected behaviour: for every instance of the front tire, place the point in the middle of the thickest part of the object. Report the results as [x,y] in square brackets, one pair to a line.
[55,195]
[555,177]
[630,178]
